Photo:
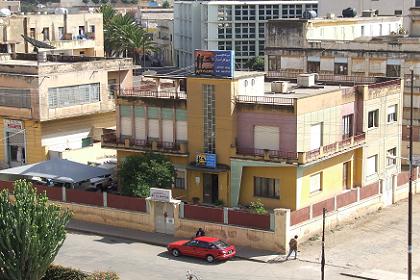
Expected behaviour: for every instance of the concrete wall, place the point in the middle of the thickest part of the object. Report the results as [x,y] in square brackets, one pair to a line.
[86,154]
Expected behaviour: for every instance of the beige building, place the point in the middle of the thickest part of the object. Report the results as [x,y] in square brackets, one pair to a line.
[13,6]
[79,34]
[295,47]
[57,106]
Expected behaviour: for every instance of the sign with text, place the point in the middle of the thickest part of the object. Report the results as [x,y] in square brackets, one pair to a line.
[160,194]
[13,125]
[206,160]
[214,63]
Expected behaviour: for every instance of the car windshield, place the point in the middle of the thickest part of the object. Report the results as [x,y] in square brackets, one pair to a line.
[220,244]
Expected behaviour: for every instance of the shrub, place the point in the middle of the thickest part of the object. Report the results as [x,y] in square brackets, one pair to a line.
[218,202]
[57,272]
[258,207]
[103,276]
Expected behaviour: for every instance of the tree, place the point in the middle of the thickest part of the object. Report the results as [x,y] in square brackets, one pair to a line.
[140,173]
[255,63]
[31,233]
[166,4]
[104,2]
[85,1]
[96,1]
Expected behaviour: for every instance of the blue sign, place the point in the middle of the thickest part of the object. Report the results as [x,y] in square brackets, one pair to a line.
[206,160]
[214,63]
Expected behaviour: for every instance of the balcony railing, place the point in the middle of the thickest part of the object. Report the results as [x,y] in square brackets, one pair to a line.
[136,92]
[323,77]
[110,140]
[271,100]
[266,154]
[331,149]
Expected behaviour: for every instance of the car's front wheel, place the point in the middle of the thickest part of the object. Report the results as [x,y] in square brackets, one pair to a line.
[209,258]
[175,252]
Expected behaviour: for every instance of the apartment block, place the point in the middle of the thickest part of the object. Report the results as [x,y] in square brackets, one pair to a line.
[289,145]
[78,34]
[228,25]
[295,47]
[57,105]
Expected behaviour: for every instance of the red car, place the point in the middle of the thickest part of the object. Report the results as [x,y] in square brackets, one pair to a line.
[204,247]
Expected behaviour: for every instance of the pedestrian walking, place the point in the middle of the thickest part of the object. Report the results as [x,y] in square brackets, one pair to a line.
[200,232]
[293,247]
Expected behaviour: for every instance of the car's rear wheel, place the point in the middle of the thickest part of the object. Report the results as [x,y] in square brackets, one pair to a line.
[175,252]
[209,258]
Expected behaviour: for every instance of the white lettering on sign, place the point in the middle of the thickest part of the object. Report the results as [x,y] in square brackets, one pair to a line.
[13,125]
[160,194]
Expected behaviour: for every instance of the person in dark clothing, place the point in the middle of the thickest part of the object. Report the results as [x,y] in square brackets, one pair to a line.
[201,62]
[293,247]
[197,62]
[200,232]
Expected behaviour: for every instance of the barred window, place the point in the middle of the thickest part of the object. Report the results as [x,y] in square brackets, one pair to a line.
[266,187]
[19,98]
[74,95]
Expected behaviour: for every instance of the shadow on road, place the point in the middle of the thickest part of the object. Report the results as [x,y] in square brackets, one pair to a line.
[188,259]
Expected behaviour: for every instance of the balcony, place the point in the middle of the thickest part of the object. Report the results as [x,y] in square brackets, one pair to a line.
[323,77]
[160,94]
[269,100]
[110,140]
[332,149]
[72,44]
[268,155]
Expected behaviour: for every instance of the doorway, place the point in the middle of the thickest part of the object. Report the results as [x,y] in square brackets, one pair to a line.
[210,188]
[164,217]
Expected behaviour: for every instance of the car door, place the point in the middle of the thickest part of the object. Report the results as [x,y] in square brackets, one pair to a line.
[203,249]
[190,248]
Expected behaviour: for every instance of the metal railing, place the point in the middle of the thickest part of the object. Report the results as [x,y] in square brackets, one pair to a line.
[136,92]
[272,154]
[272,100]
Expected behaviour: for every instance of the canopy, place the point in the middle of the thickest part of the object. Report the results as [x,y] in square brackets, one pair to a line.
[60,170]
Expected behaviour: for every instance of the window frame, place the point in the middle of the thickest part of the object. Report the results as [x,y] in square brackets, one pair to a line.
[264,184]
[375,119]
[184,181]
[311,189]
[376,165]
[391,161]
[392,117]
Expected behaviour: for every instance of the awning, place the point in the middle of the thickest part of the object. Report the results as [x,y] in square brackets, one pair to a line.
[60,170]
[219,168]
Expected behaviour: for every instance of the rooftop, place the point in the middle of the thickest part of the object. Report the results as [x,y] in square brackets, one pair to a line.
[303,92]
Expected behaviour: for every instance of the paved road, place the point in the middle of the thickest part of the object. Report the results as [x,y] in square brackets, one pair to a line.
[135,261]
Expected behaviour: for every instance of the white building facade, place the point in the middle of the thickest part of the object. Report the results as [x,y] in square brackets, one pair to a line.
[228,25]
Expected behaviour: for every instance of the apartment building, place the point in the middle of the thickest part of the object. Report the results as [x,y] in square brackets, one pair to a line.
[13,6]
[383,7]
[57,105]
[240,139]
[228,25]
[78,34]
[297,47]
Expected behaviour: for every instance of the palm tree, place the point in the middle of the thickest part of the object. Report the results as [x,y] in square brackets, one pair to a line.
[123,36]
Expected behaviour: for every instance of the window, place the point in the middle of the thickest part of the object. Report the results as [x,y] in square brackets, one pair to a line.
[112,88]
[314,66]
[60,33]
[398,12]
[316,182]
[316,136]
[346,175]
[362,30]
[340,68]
[92,28]
[46,33]
[32,33]
[180,180]
[73,95]
[417,3]
[209,110]
[392,113]
[391,156]
[266,137]
[347,126]
[393,70]
[373,119]
[266,187]
[372,165]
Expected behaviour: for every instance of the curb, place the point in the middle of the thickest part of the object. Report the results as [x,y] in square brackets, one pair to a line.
[75,229]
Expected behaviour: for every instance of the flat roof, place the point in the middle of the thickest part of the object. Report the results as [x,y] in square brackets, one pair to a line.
[302,92]
[28,62]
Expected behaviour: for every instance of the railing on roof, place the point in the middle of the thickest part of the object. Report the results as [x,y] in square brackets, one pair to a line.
[137,92]
[396,82]
[271,100]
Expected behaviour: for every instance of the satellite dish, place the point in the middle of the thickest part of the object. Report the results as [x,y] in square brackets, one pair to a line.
[37,44]
[5,12]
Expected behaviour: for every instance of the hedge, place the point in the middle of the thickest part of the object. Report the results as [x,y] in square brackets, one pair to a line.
[57,272]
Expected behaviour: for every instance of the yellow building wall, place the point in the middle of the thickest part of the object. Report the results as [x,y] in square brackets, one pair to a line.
[331,179]
[287,179]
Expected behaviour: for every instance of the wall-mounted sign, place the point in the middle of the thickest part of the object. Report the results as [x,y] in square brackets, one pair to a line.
[214,63]
[206,160]
[160,194]
[13,125]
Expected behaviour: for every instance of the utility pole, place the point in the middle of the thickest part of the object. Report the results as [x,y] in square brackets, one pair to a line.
[410,183]
[323,244]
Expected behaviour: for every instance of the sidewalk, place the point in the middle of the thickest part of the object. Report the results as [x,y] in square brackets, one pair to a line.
[159,239]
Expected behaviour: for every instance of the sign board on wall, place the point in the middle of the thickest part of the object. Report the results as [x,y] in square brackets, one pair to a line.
[161,194]
[214,63]
[206,160]
[13,125]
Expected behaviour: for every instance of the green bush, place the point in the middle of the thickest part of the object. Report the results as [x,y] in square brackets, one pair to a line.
[57,272]
[103,276]
[257,207]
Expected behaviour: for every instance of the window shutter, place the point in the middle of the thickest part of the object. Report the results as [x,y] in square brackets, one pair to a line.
[266,137]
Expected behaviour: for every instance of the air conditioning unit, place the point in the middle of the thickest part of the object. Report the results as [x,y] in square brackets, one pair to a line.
[330,16]
[306,80]
[368,13]
[280,86]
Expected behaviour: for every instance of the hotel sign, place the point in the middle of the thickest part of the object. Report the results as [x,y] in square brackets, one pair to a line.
[13,125]
[214,63]
[206,160]
[160,194]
